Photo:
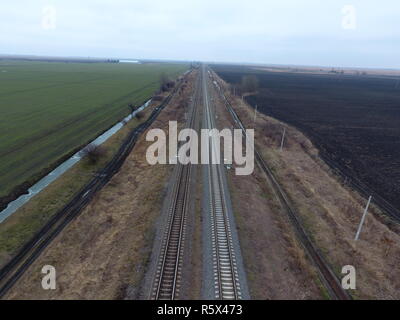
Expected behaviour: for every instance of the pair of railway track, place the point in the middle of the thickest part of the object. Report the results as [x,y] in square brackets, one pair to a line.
[168,273]
[327,276]
[15,268]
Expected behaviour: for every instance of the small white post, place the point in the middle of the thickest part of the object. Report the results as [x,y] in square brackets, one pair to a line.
[363,219]
[255,114]
[283,138]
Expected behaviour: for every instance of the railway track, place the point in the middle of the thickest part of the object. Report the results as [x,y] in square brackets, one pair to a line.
[328,277]
[168,275]
[16,267]
[227,285]
[225,272]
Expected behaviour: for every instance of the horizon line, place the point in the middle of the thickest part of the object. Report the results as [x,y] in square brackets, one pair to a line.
[263,64]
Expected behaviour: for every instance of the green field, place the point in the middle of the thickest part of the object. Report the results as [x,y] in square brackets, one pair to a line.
[49,109]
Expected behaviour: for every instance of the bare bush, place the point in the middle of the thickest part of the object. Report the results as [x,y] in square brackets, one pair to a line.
[170,84]
[236,89]
[139,115]
[273,133]
[164,79]
[93,153]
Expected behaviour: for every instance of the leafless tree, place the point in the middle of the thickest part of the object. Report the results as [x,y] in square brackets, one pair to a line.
[165,82]
[93,153]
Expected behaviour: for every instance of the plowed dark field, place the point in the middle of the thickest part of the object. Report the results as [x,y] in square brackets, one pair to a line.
[353,119]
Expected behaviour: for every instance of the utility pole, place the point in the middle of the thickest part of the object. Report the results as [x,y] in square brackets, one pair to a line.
[283,138]
[363,219]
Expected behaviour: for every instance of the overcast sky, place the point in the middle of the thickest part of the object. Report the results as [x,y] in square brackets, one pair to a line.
[306,32]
